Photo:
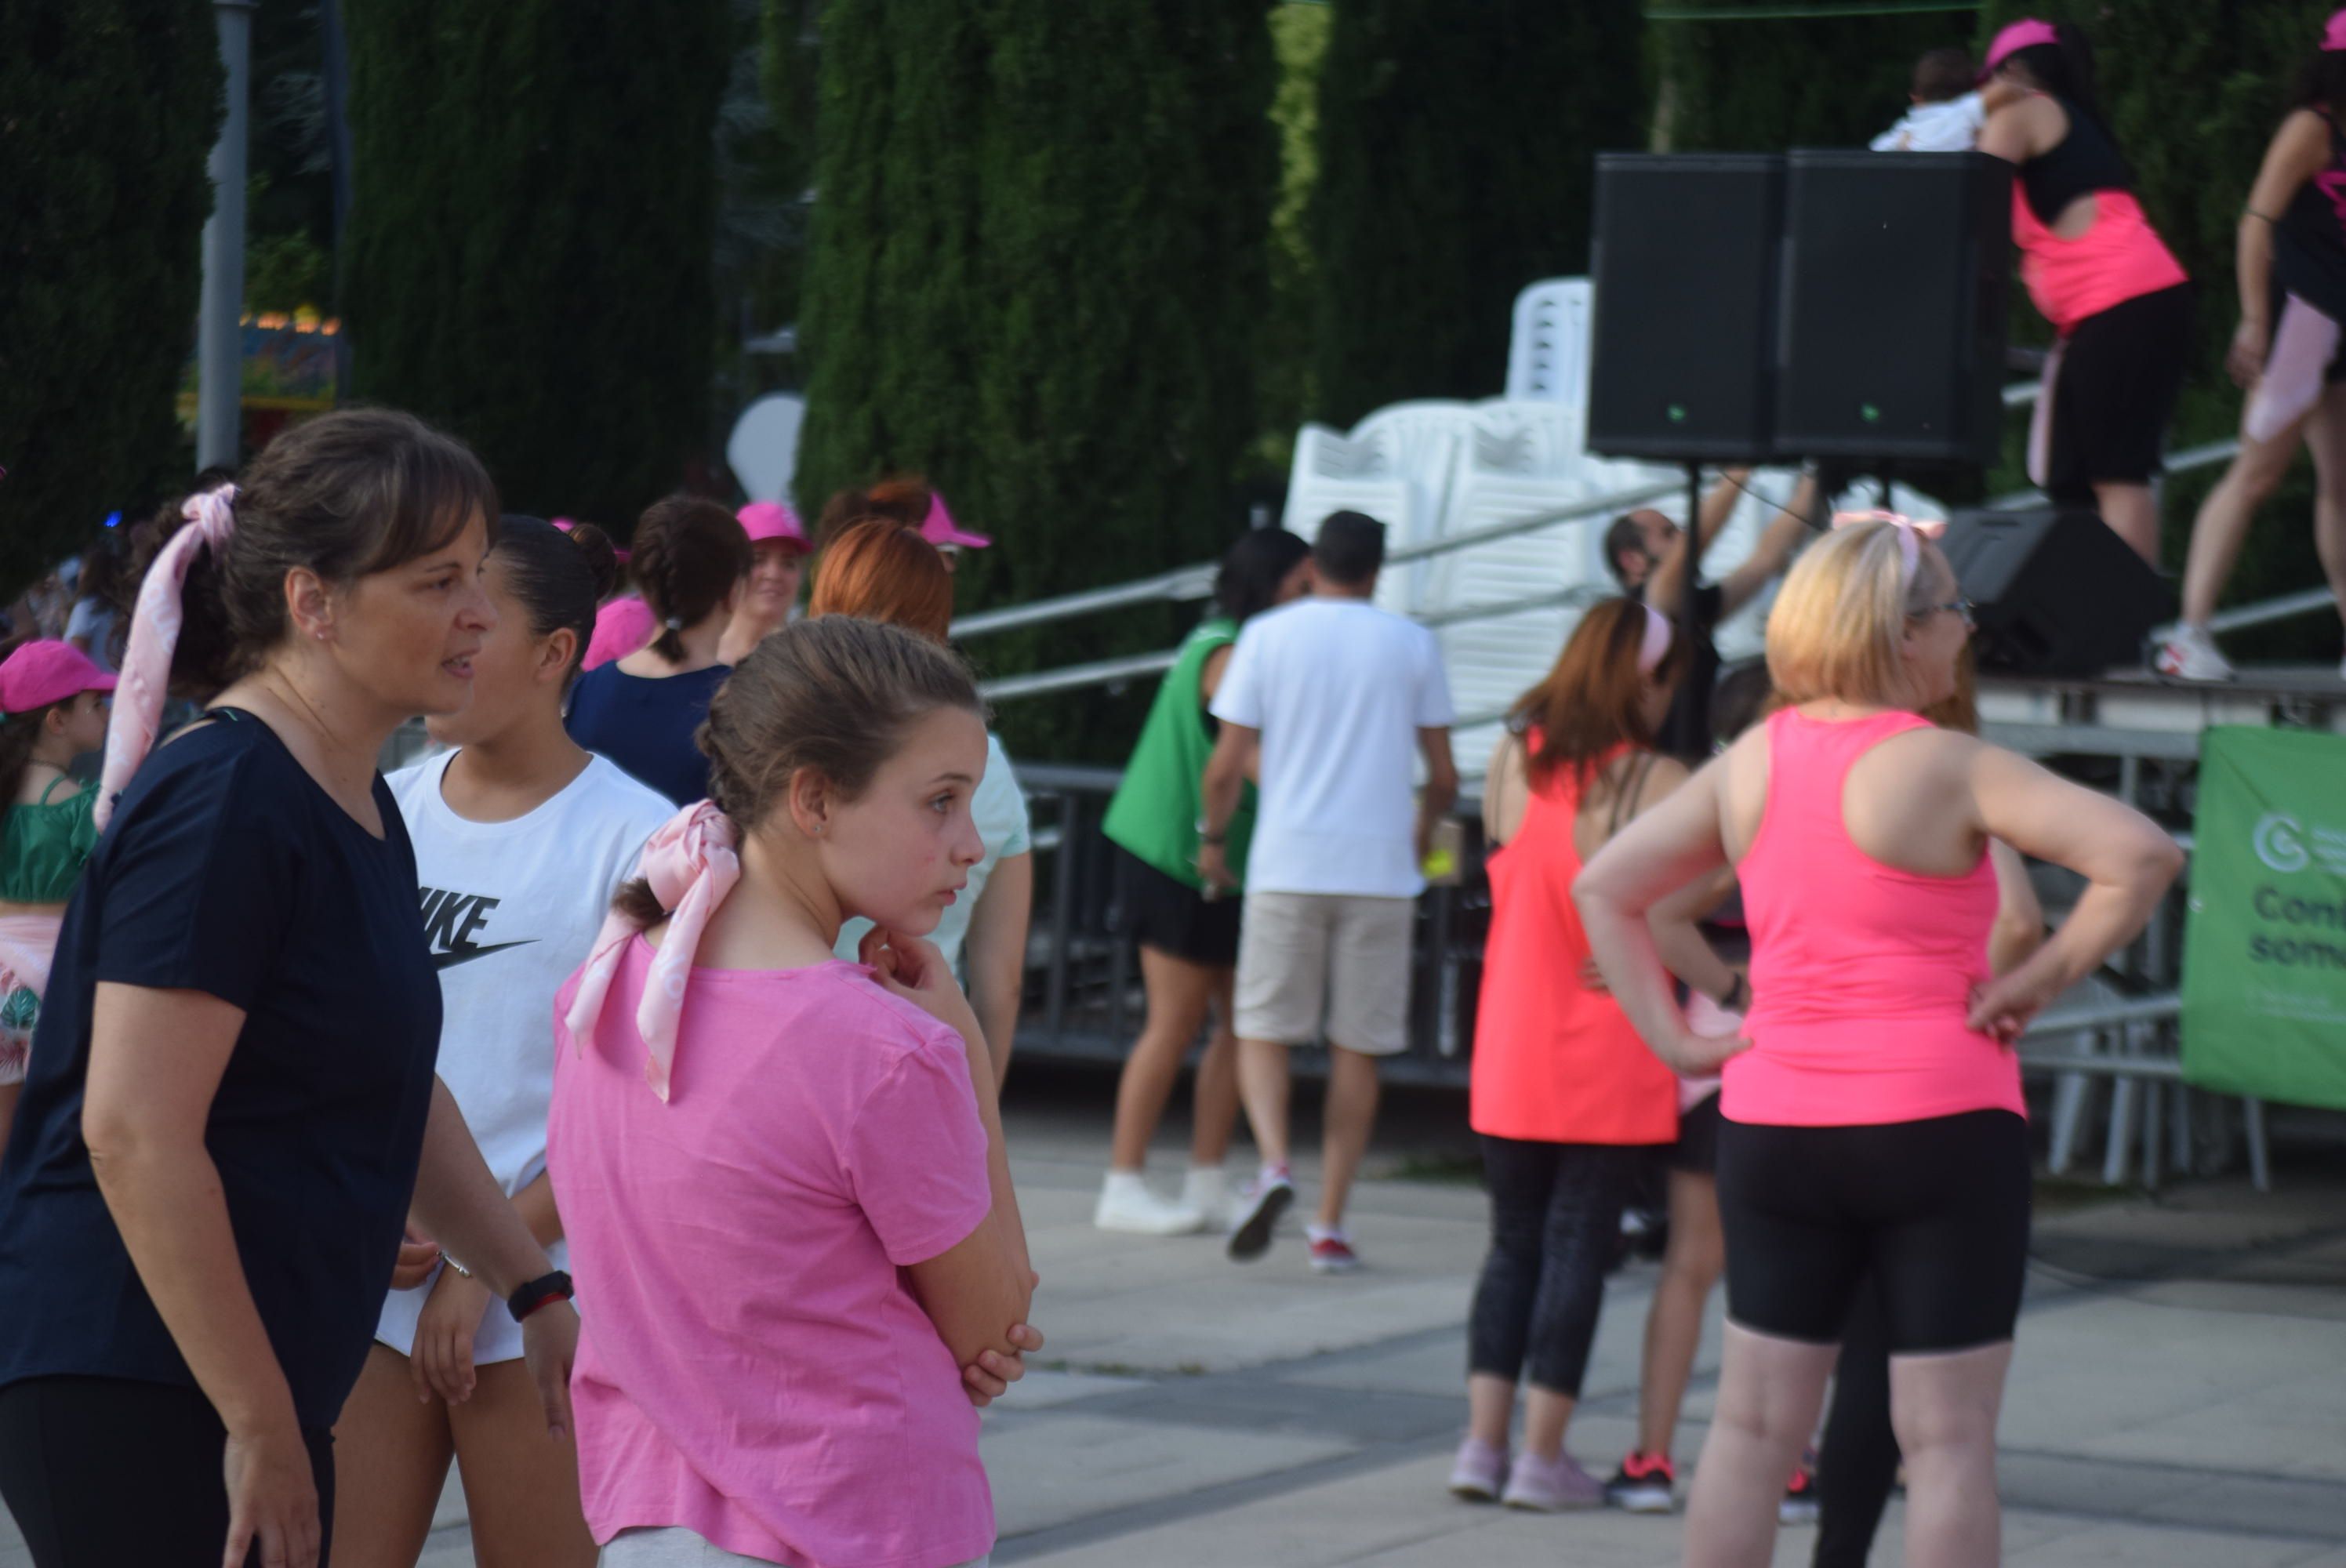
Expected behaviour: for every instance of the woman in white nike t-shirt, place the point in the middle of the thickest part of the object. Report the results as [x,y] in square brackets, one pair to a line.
[521,838]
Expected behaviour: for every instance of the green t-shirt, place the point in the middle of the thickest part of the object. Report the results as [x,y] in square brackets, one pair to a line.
[1155,812]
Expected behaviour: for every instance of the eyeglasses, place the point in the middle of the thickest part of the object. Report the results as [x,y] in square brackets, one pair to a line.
[1961,607]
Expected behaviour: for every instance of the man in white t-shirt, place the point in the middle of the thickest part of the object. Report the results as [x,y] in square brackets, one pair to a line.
[1329,701]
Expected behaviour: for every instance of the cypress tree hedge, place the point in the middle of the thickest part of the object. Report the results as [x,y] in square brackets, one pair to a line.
[1454,168]
[1774,82]
[1038,259]
[111,109]
[533,205]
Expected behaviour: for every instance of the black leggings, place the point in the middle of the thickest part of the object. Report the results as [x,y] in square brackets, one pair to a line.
[1555,1216]
[103,1470]
[1858,1463]
[1935,1210]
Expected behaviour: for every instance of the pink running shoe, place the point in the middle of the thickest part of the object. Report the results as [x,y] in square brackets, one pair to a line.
[1479,1471]
[1552,1485]
[1333,1254]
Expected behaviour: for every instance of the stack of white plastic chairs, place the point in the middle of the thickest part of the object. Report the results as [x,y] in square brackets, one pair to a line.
[1432,470]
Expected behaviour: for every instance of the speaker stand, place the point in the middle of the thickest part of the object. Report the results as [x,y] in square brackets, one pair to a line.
[1698,701]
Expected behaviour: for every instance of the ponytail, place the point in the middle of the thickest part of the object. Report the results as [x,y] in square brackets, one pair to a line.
[156,625]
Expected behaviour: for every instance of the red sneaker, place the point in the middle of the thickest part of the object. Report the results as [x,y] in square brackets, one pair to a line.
[1333,1255]
[1646,1483]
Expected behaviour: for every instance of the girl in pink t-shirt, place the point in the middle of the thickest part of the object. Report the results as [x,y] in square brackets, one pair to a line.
[782,1176]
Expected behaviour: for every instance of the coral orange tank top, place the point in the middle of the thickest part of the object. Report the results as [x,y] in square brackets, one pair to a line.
[1554,1061]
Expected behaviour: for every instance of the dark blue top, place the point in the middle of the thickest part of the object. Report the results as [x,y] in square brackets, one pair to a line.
[227,869]
[646,726]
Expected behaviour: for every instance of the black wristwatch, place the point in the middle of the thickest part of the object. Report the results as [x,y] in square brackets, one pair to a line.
[542,1291]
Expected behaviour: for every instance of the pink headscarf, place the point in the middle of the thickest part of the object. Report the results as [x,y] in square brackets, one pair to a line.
[690,865]
[145,675]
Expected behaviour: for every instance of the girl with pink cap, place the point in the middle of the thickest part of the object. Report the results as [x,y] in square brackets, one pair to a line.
[2285,355]
[779,547]
[2098,271]
[782,1175]
[52,710]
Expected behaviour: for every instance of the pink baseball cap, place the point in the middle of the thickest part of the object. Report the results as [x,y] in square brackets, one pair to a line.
[41,672]
[2334,36]
[2025,34]
[939,528]
[621,627]
[764,520]
[566,525]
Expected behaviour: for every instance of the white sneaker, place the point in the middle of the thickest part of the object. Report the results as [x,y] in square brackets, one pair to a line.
[2190,654]
[1207,1191]
[1127,1204]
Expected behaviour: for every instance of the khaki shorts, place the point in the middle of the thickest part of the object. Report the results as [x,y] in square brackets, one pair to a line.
[1303,956]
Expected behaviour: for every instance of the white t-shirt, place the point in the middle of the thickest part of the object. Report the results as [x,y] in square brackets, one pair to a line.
[1340,690]
[94,620]
[999,808]
[1950,126]
[510,908]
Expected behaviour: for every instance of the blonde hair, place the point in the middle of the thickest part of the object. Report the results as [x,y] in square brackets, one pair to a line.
[1838,625]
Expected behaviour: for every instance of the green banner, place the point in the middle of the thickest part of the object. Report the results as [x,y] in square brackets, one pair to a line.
[2264,955]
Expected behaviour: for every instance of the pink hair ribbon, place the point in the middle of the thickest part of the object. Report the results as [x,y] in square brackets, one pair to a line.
[1654,643]
[1911,534]
[155,622]
[692,866]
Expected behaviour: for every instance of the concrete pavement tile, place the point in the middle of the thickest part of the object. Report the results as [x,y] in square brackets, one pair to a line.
[2334,1558]
[2153,1546]
[2280,1505]
[1340,1520]
[2107,1365]
[1224,1327]
[1048,1468]
[1042,1390]
[2265,1433]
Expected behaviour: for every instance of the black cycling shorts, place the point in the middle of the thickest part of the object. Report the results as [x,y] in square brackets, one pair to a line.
[1938,1209]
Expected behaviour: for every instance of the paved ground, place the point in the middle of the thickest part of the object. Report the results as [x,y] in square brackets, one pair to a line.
[1194,1411]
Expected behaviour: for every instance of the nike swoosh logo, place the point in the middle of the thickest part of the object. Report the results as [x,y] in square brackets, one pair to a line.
[466,955]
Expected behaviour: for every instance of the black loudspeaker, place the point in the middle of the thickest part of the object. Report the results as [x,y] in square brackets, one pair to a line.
[2055,592]
[1684,267]
[1890,338]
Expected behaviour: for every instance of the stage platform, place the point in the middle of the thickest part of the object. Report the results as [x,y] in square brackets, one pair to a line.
[2132,713]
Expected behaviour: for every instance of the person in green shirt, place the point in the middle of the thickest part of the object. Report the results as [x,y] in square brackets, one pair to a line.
[1187,932]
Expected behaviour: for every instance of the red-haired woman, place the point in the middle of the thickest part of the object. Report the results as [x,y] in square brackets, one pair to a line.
[1565,1094]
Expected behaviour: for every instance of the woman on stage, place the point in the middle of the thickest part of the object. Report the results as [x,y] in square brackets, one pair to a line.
[1875,1123]
[2285,353]
[2095,270]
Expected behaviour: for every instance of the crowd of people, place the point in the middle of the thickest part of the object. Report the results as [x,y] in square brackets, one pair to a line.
[683,975]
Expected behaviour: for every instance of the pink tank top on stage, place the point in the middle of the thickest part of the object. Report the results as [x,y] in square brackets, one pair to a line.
[2120,258]
[1862,974]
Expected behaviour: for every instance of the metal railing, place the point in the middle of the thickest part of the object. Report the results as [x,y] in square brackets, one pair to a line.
[1189,584]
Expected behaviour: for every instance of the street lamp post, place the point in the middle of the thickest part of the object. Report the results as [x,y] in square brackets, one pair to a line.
[220,333]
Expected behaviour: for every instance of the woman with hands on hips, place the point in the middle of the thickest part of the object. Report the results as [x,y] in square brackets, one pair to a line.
[232,1108]
[783,1174]
[1872,1119]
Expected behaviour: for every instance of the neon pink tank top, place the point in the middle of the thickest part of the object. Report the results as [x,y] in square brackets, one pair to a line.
[1861,974]
[2120,258]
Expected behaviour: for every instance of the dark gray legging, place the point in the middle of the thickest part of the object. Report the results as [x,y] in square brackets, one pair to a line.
[1556,1217]
[1858,1463]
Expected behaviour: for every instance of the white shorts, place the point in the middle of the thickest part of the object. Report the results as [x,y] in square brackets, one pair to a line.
[1303,957]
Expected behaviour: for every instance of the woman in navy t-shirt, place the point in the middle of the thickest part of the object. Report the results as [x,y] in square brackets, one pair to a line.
[691,559]
[232,1109]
